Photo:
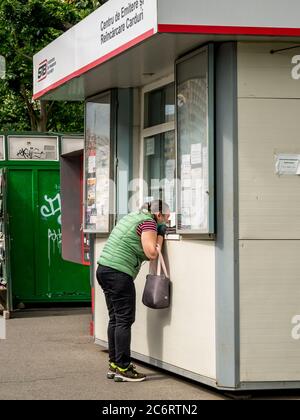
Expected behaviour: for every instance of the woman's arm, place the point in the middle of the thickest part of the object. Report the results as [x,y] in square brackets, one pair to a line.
[150,240]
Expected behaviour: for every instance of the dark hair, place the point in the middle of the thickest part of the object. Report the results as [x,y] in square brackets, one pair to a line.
[156,206]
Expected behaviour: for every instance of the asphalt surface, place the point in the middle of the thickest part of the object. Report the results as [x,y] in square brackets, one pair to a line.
[49,355]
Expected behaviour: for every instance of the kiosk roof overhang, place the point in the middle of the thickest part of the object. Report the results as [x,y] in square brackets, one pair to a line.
[129,43]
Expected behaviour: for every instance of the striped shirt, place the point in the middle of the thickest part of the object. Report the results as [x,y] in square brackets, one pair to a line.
[146,226]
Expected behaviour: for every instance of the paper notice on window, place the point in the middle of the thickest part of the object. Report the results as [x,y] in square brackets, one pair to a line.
[91,182]
[186,166]
[197,211]
[186,198]
[205,169]
[169,197]
[186,216]
[155,186]
[196,154]
[186,160]
[186,183]
[170,169]
[150,146]
[197,174]
[91,164]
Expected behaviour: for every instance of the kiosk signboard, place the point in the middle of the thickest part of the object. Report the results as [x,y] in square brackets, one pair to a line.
[110,30]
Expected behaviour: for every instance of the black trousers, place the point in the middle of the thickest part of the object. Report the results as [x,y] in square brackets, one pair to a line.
[120,296]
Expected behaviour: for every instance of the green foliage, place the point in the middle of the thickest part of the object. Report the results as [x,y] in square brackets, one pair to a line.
[85,7]
[13,112]
[27,26]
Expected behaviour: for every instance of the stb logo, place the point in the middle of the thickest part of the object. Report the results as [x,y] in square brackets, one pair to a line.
[42,71]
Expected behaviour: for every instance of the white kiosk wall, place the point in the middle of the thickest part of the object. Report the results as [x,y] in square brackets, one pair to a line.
[269,207]
[181,338]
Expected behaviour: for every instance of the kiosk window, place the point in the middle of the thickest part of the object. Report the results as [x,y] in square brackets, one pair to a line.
[159,168]
[98,165]
[195,144]
[159,106]
[159,146]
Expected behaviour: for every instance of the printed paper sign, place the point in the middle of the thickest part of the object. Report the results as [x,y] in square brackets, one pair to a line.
[196,154]
[150,146]
[288,164]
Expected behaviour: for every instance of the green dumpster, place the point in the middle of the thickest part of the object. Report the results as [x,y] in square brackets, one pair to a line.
[38,272]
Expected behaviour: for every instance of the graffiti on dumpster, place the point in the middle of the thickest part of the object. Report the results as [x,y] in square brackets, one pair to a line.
[52,208]
[54,242]
[30,153]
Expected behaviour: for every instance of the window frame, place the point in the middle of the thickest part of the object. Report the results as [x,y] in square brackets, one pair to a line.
[112,164]
[156,129]
[210,141]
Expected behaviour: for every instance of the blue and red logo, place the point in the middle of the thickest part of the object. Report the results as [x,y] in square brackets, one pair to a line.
[46,68]
[43,70]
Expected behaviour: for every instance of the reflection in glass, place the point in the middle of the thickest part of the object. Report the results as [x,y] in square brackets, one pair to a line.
[192,101]
[97,165]
[159,106]
[159,169]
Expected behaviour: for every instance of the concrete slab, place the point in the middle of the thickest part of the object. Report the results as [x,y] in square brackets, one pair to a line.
[49,355]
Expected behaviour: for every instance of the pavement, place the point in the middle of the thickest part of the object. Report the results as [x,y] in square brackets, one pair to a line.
[49,355]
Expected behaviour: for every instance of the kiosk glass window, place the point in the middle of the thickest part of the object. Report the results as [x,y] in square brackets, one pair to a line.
[159,106]
[98,190]
[160,147]
[159,167]
[195,143]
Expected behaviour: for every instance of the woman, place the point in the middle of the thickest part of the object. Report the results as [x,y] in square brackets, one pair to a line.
[136,238]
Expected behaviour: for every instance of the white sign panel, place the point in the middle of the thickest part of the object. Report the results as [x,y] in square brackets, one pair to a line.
[111,29]
[32,148]
[244,15]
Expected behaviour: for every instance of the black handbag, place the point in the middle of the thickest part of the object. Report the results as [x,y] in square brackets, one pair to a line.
[156,293]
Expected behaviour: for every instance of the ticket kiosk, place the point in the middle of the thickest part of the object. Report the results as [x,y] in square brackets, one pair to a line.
[197,103]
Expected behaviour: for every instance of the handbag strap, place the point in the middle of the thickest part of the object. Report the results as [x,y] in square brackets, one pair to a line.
[161,263]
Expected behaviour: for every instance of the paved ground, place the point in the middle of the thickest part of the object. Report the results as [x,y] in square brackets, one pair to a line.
[48,354]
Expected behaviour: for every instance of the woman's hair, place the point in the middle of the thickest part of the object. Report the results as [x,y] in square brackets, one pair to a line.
[156,206]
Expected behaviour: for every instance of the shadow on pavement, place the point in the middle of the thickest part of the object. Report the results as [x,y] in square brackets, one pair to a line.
[49,310]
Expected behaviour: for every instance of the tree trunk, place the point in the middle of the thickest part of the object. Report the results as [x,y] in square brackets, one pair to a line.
[31,111]
[43,117]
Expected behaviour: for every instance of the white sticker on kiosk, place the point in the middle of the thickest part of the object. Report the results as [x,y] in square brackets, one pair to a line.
[288,164]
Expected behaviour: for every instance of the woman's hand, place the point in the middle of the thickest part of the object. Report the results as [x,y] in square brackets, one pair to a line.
[161,229]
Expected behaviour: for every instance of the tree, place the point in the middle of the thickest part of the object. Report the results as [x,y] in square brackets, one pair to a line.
[26,26]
